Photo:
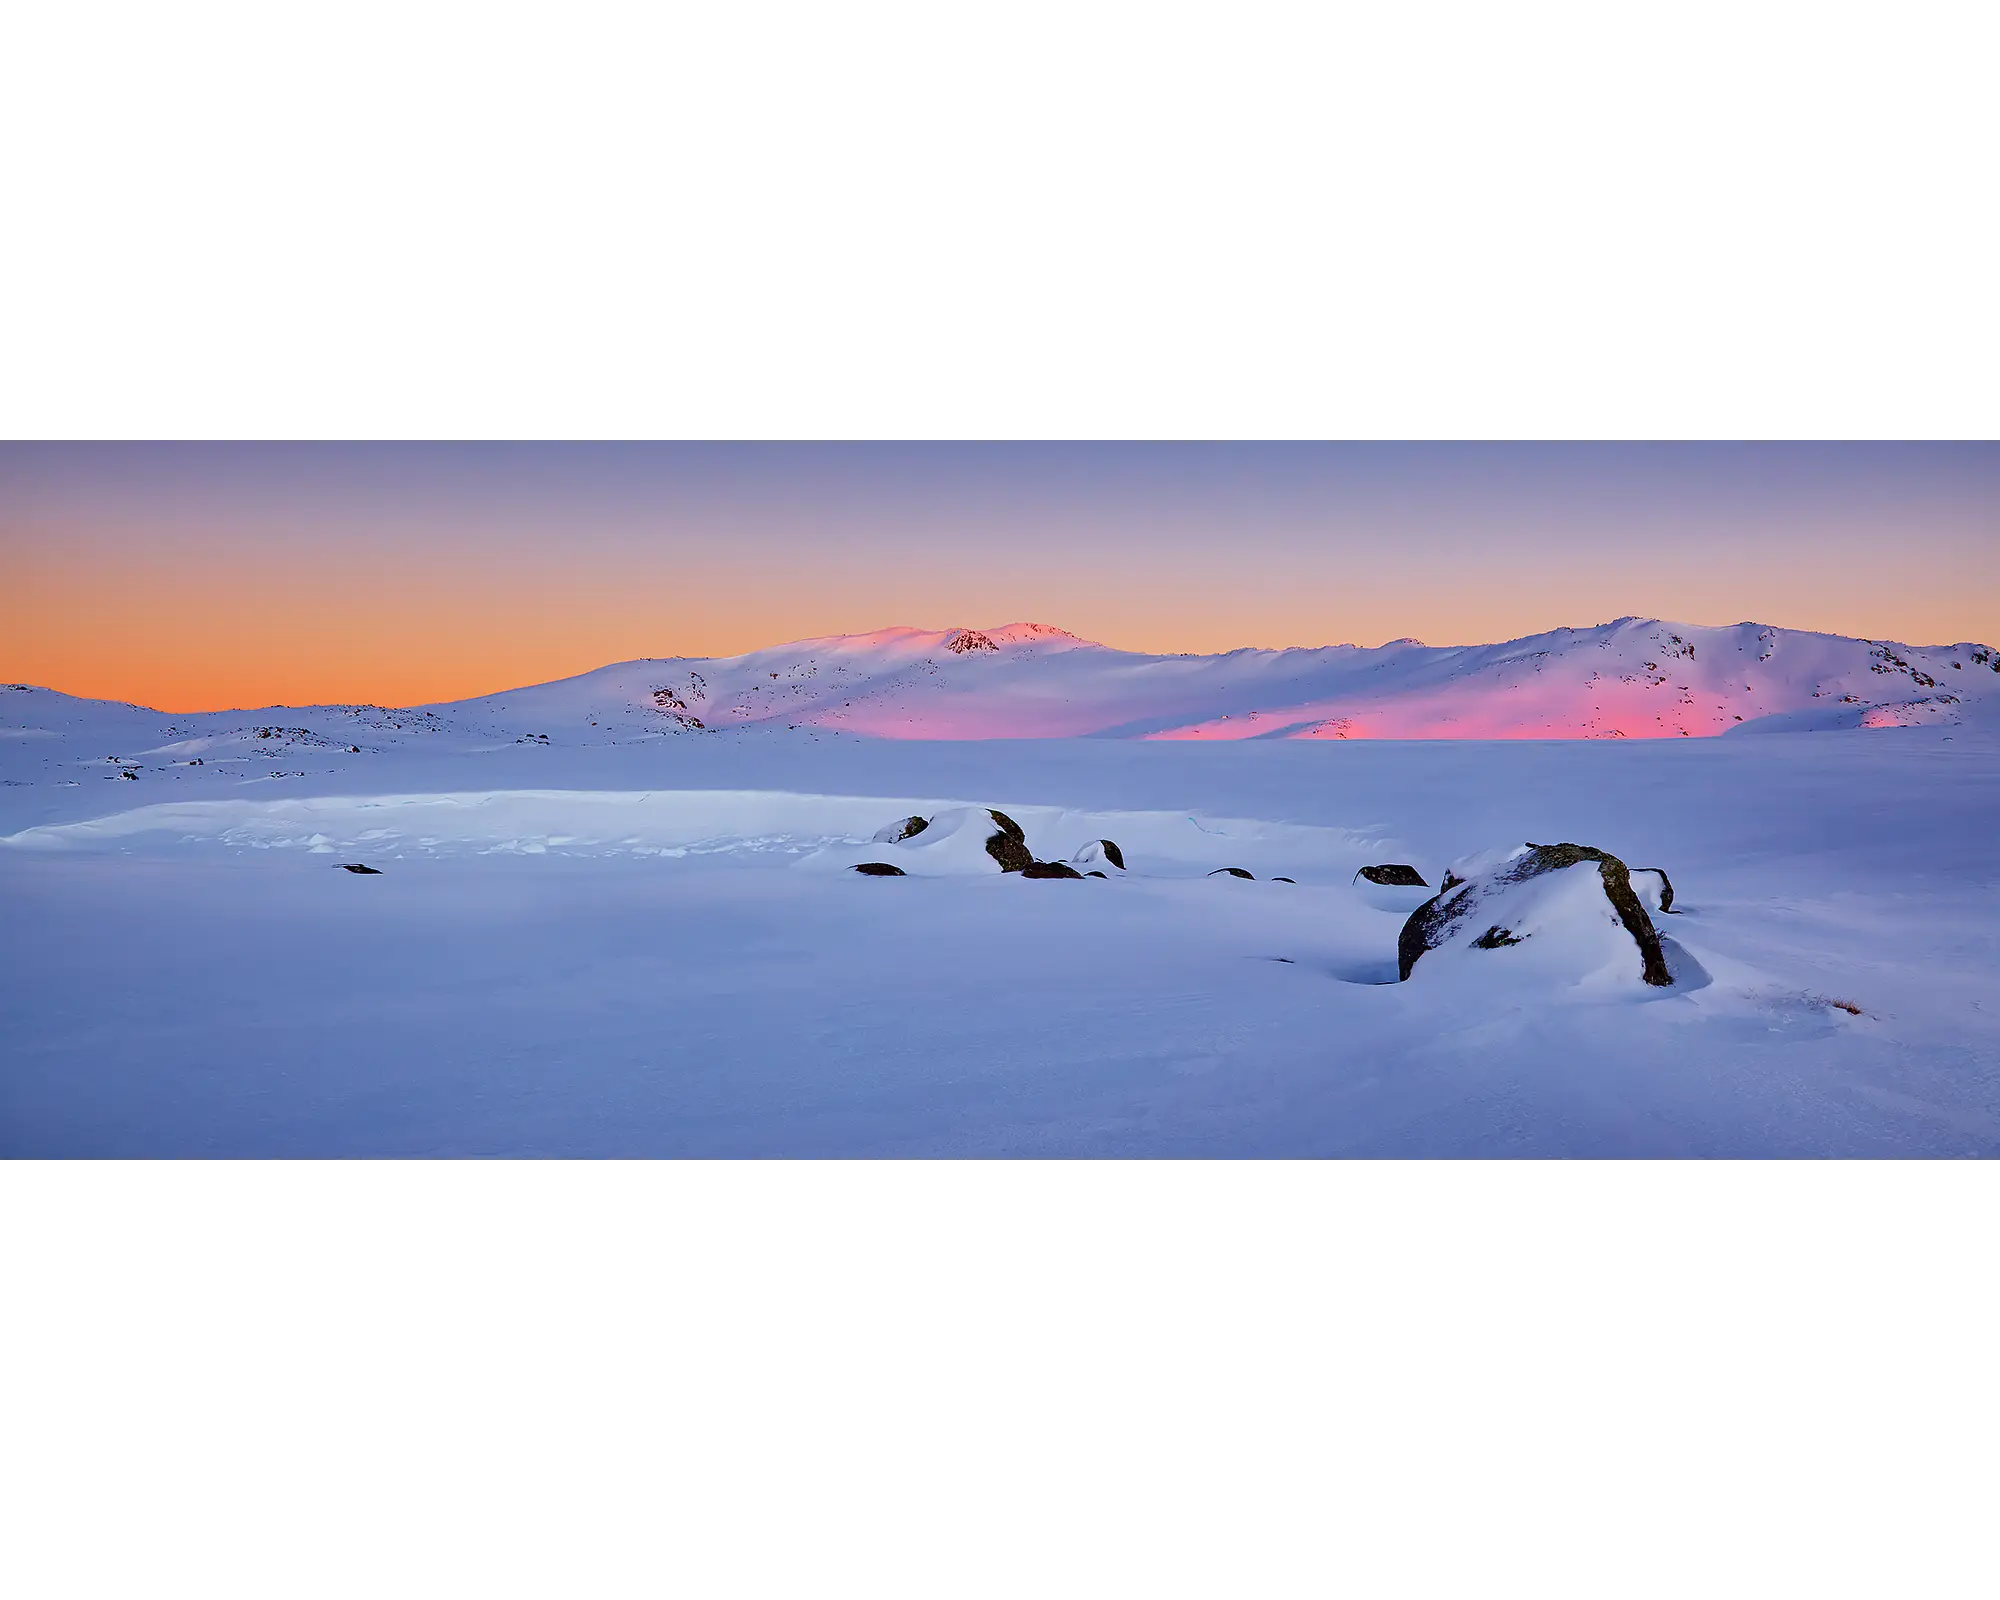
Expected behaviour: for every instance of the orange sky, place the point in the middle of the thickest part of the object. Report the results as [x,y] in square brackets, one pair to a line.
[195,577]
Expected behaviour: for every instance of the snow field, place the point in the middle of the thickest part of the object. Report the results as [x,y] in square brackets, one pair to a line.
[651,946]
[819,830]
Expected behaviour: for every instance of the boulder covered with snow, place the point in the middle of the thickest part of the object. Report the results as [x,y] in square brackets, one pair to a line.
[1101,856]
[1394,875]
[1572,905]
[962,839]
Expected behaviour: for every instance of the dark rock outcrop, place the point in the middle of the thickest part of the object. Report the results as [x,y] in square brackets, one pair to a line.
[1394,875]
[896,832]
[1285,880]
[355,866]
[880,869]
[1051,869]
[1100,850]
[1435,921]
[1234,872]
[1009,845]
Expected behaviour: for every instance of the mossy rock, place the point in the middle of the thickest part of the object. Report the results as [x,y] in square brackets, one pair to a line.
[1432,922]
[1009,846]
[1234,872]
[897,832]
[1050,869]
[880,869]
[1394,875]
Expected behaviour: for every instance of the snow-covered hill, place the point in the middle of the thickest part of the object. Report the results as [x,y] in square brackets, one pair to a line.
[1625,679]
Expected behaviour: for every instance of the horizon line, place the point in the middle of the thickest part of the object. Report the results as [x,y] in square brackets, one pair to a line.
[904,628]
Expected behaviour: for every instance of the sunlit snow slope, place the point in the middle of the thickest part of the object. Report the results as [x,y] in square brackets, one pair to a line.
[1624,679]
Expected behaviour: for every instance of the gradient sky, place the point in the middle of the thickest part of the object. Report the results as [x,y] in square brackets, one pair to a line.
[199,576]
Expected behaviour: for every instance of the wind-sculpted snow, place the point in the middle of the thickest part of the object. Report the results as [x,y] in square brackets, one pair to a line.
[461,945]
[816,831]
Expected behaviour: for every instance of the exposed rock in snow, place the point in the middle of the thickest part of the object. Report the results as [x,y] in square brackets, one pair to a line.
[879,869]
[1234,872]
[1575,903]
[1654,888]
[1008,845]
[1394,875]
[959,839]
[1050,869]
[1097,854]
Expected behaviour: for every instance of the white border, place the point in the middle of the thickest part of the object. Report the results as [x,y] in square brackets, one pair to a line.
[915,1379]
[894,220]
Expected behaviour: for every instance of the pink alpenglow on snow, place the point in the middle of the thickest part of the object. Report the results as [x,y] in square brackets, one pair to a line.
[1630,679]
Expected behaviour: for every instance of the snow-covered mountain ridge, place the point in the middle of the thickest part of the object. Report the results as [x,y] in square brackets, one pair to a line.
[1626,679]
[1632,678]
